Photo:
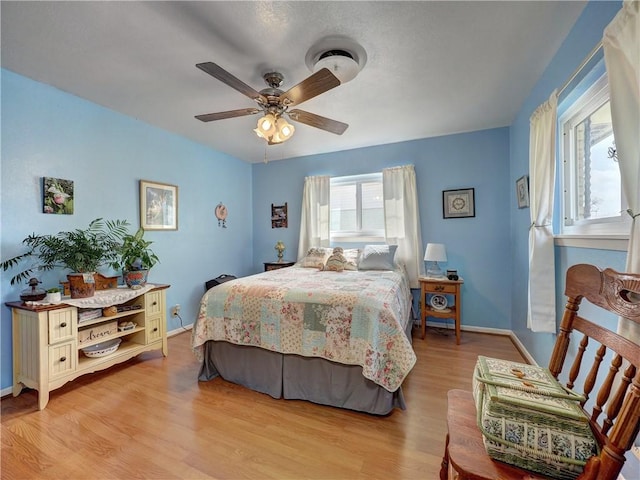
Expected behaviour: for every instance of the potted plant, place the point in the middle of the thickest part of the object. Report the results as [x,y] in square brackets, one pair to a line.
[54,295]
[82,251]
[135,259]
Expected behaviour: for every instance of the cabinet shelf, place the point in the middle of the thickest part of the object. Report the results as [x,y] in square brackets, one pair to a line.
[111,337]
[448,312]
[125,349]
[93,321]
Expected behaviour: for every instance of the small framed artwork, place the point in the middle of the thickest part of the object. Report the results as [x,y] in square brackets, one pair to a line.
[221,214]
[57,196]
[522,191]
[279,216]
[459,203]
[158,206]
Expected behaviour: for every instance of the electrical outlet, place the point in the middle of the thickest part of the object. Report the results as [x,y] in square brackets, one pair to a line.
[175,310]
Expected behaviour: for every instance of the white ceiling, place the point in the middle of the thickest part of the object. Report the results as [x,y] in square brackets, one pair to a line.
[433,68]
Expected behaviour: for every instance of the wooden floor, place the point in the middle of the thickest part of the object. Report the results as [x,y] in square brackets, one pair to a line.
[151,418]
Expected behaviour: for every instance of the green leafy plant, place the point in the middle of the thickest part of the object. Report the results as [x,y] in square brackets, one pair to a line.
[53,290]
[135,253]
[81,251]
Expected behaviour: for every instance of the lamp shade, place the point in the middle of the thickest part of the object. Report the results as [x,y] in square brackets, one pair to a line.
[266,126]
[435,252]
[284,128]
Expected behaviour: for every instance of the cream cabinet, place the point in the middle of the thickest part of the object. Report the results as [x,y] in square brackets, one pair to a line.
[48,340]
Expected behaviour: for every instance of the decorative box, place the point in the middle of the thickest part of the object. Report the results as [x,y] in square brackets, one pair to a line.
[529,420]
[97,332]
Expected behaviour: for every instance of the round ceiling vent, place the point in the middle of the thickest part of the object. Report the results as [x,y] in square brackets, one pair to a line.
[341,55]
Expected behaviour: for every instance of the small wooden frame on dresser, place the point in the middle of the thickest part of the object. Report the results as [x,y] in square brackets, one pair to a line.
[46,344]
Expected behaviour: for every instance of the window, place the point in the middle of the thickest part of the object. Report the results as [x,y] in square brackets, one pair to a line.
[357,208]
[593,202]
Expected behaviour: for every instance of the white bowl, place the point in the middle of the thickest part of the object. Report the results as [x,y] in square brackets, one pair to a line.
[102,349]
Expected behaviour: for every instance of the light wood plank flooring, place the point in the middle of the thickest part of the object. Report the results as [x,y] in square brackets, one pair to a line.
[151,418]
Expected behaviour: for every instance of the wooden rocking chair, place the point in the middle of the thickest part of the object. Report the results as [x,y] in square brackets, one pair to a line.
[616,429]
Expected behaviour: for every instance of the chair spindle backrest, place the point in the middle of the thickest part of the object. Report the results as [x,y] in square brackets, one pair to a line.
[618,394]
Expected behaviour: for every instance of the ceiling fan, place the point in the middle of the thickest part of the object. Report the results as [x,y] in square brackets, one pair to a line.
[275,103]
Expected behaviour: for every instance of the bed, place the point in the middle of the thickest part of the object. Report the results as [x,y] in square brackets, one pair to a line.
[334,338]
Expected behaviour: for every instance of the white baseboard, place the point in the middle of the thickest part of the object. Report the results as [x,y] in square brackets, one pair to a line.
[471,328]
[492,331]
[522,349]
[5,391]
[176,331]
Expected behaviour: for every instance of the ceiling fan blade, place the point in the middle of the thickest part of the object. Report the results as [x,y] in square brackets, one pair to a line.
[225,77]
[312,86]
[209,117]
[317,121]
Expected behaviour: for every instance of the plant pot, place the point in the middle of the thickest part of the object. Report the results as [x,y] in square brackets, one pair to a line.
[135,278]
[81,285]
[53,297]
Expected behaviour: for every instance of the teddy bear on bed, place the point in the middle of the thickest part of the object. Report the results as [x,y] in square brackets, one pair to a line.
[337,261]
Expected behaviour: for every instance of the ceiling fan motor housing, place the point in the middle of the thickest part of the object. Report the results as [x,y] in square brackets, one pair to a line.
[273,79]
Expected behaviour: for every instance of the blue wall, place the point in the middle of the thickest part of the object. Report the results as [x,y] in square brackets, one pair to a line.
[46,132]
[584,36]
[477,247]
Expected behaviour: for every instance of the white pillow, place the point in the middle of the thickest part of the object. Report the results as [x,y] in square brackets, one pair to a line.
[377,257]
[352,255]
[315,258]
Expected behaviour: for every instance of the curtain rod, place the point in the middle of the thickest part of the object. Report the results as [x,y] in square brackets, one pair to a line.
[582,65]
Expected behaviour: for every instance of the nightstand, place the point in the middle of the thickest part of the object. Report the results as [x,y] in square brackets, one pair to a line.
[434,302]
[276,265]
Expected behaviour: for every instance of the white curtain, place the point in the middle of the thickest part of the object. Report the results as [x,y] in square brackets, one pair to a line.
[314,221]
[402,219]
[621,44]
[541,315]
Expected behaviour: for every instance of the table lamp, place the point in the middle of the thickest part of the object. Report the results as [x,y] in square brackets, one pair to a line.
[435,253]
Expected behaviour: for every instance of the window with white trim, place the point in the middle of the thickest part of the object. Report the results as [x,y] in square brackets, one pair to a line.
[592,201]
[357,208]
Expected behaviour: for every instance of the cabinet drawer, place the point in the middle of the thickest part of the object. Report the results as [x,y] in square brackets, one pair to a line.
[62,359]
[62,325]
[154,329]
[441,288]
[154,303]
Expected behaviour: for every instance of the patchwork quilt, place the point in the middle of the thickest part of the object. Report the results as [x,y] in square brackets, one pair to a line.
[349,317]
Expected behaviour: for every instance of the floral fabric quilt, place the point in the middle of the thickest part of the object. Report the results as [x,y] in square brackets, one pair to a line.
[350,317]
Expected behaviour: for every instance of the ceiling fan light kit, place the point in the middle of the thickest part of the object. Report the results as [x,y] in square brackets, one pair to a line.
[274,130]
[331,64]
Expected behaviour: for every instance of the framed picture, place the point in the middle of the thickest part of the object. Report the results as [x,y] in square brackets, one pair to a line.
[522,191]
[158,206]
[458,203]
[57,196]
[279,216]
